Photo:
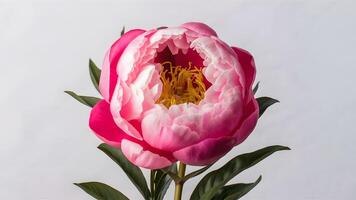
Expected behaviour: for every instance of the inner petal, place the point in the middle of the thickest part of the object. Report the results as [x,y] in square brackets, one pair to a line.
[181,58]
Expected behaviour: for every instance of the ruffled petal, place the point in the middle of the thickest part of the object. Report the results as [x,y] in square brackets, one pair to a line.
[205,152]
[142,157]
[103,125]
[104,83]
[249,121]
[159,132]
[248,66]
[218,57]
[200,28]
[109,75]
[116,109]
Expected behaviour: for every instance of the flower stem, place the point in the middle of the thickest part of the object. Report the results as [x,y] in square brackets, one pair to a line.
[179,184]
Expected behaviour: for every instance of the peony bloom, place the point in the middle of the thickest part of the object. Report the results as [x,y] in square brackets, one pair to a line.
[177,93]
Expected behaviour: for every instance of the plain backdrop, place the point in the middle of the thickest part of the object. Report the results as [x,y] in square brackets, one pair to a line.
[305,57]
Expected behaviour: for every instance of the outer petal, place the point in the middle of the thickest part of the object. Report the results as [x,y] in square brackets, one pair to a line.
[142,157]
[205,152]
[218,57]
[108,76]
[199,28]
[103,125]
[248,65]
[159,131]
[251,115]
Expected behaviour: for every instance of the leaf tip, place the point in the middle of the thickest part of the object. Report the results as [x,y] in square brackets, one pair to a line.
[273,101]
[254,90]
[101,146]
[91,63]
[122,30]
[287,148]
[78,185]
[282,148]
[71,93]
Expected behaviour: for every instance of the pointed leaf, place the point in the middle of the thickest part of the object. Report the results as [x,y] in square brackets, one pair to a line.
[196,173]
[162,27]
[86,100]
[122,31]
[133,172]
[264,103]
[215,180]
[256,88]
[235,191]
[162,181]
[173,175]
[101,191]
[94,72]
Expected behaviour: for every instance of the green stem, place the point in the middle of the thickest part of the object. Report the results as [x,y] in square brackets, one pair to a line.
[179,184]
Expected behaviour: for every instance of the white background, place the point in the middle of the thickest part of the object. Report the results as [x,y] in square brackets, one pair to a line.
[305,57]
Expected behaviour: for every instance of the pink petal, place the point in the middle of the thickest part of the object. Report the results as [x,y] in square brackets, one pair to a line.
[251,113]
[104,83]
[199,28]
[116,109]
[205,152]
[248,65]
[142,157]
[103,125]
[108,76]
[159,132]
[191,56]
[218,57]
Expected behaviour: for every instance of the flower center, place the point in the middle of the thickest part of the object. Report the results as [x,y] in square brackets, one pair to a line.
[181,84]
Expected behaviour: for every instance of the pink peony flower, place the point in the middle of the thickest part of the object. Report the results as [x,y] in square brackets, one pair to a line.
[177,93]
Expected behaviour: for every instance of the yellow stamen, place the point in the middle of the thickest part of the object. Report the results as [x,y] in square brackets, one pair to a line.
[181,84]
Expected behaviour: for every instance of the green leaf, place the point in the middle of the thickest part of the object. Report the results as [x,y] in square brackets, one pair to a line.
[215,180]
[161,182]
[196,173]
[235,191]
[122,31]
[133,172]
[256,88]
[264,103]
[101,191]
[162,27]
[86,100]
[94,72]
[165,181]
[173,175]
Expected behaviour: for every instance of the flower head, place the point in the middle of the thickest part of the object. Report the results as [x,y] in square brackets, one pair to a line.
[178,93]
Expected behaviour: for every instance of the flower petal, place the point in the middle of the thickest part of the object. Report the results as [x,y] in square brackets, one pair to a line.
[103,125]
[159,132]
[142,157]
[251,113]
[200,28]
[116,109]
[248,65]
[205,152]
[108,77]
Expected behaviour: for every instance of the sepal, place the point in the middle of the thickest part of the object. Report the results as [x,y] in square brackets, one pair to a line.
[264,103]
[86,100]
